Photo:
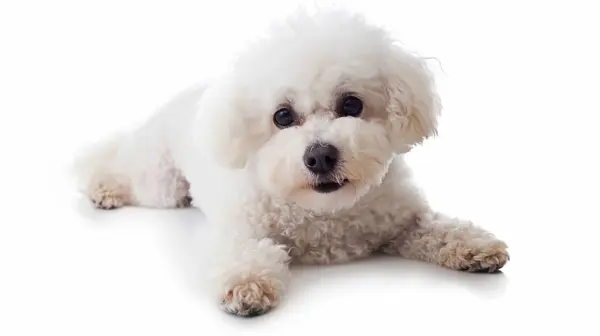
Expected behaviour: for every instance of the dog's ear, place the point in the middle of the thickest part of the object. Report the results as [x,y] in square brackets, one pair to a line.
[413,104]
[226,127]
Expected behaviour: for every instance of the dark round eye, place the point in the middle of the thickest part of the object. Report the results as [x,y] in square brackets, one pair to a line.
[283,118]
[351,106]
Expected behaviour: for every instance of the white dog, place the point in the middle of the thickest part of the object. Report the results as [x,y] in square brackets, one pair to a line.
[296,155]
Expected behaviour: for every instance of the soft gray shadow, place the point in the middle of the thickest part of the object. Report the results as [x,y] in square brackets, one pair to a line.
[84,207]
[482,285]
[185,232]
[182,233]
[87,210]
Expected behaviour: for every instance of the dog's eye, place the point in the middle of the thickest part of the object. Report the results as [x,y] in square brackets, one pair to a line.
[283,118]
[350,106]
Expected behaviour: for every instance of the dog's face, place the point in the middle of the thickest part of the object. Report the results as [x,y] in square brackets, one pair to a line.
[318,110]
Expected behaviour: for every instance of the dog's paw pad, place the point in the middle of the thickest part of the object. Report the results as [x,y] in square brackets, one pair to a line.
[482,259]
[252,298]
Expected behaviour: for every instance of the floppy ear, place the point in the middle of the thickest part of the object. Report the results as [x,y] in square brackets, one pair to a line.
[413,104]
[226,126]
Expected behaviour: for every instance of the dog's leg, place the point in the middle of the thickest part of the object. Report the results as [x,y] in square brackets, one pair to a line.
[451,243]
[126,170]
[97,178]
[252,273]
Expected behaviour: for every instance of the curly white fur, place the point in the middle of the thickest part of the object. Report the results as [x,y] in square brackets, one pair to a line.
[218,145]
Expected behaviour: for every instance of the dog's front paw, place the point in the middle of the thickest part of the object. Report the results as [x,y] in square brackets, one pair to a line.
[488,257]
[252,297]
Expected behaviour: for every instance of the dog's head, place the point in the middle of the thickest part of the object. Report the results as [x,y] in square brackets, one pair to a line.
[319,108]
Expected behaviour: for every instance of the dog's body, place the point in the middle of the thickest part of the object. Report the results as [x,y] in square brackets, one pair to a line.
[302,165]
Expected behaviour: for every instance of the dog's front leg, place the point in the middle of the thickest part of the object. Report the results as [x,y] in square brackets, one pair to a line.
[252,272]
[451,243]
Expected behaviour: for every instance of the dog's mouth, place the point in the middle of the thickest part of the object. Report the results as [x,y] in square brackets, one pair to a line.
[329,186]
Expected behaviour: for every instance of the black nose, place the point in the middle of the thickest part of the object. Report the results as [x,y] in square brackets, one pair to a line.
[321,158]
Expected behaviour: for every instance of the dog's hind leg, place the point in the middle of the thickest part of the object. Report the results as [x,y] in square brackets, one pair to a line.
[139,167]
[98,177]
[130,170]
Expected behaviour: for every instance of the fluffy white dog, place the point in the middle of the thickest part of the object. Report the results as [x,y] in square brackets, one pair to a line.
[296,155]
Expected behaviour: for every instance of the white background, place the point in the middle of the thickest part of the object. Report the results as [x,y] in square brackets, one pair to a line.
[517,154]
